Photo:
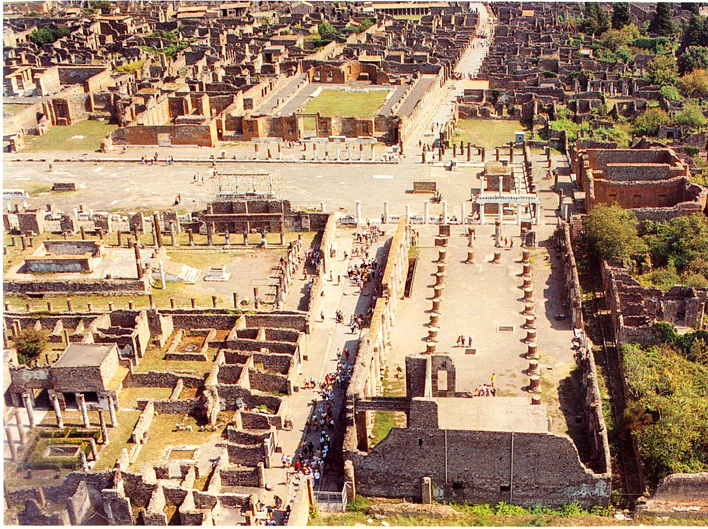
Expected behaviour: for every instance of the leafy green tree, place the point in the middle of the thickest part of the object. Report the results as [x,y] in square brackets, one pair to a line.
[30,343]
[662,70]
[691,115]
[48,35]
[325,28]
[669,92]
[695,83]
[682,241]
[650,121]
[693,57]
[661,24]
[612,232]
[620,15]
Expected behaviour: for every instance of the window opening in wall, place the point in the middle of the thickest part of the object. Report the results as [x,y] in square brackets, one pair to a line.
[420,442]
[503,488]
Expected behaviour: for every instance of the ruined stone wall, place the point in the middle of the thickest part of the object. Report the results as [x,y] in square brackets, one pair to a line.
[240,477]
[635,309]
[246,455]
[201,135]
[639,193]
[675,494]
[162,379]
[545,469]
[79,286]
[267,382]
[287,320]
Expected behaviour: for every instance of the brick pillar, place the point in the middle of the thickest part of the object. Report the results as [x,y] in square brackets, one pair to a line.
[138,263]
[20,427]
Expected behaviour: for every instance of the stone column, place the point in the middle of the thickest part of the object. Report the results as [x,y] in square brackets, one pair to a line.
[358,212]
[191,236]
[81,401]
[173,234]
[30,409]
[462,213]
[210,233]
[372,152]
[314,152]
[104,430]
[444,205]
[256,147]
[20,427]
[426,211]
[156,227]
[408,213]
[138,263]
[235,300]
[385,219]
[469,152]
[256,301]
[281,230]
[481,214]
[112,411]
[11,443]
[57,411]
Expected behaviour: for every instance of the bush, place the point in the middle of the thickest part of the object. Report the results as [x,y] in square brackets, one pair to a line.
[650,121]
[612,232]
[30,343]
[358,504]
[691,116]
[691,150]
[48,35]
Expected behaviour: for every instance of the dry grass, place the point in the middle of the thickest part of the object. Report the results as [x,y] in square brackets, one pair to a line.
[488,133]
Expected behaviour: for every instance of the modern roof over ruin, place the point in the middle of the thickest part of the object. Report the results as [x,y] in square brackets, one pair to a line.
[84,355]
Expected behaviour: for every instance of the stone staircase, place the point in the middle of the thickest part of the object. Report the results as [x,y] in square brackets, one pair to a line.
[182,272]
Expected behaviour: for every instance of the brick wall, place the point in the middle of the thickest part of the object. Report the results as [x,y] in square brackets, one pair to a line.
[79,286]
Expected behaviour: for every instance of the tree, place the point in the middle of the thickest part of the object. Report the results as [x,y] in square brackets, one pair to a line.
[695,83]
[661,24]
[620,15]
[30,343]
[662,70]
[325,28]
[695,32]
[650,121]
[48,35]
[595,21]
[682,241]
[612,232]
[694,57]
[691,115]
[669,92]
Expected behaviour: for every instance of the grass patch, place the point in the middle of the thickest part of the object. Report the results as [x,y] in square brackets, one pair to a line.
[119,438]
[488,133]
[153,360]
[383,422]
[161,436]
[408,17]
[11,109]
[341,103]
[128,398]
[66,138]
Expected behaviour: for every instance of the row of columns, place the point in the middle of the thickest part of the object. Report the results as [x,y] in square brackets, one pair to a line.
[529,325]
[315,154]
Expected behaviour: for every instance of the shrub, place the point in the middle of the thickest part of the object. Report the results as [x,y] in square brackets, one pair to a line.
[612,232]
[691,150]
[30,343]
[650,121]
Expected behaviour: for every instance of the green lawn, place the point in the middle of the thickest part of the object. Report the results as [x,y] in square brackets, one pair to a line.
[408,17]
[81,136]
[342,103]
[488,133]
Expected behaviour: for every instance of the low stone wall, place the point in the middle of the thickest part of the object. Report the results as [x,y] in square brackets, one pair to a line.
[114,287]
[267,382]
[175,407]
[162,379]
[279,320]
[241,477]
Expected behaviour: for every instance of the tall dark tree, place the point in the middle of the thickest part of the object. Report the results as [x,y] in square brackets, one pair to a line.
[695,33]
[693,7]
[620,15]
[595,21]
[661,24]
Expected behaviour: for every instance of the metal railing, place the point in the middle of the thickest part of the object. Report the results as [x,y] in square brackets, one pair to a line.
[333,501]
